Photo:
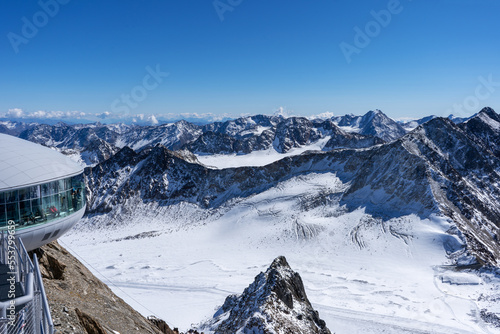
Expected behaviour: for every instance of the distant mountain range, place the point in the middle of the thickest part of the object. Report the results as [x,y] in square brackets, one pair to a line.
[431,167]
[93,143]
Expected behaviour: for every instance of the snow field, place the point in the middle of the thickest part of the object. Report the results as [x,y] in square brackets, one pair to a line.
[363,274]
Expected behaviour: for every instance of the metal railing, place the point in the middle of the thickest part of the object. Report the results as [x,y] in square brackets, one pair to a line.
[26,311]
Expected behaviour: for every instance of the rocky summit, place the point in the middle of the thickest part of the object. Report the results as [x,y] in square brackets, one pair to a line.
[274,303]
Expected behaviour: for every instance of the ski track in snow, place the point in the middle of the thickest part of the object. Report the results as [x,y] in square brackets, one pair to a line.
[182,273]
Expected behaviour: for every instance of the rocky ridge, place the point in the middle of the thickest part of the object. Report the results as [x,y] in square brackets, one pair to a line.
[94,143]
[437,168]
[275,302]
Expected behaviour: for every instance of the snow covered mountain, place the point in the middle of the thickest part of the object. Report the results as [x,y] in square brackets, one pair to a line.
[89,144]
[93,143]
[437,168]
[410,125]
[485,129]
[14,128]
[373,123]
[276,302]
[385,234]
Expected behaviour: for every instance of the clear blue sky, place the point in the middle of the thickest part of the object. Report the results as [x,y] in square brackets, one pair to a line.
[261,56]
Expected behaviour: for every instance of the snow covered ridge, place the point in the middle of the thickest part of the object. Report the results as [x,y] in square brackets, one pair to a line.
[275,302]
[93,143]
[437,168]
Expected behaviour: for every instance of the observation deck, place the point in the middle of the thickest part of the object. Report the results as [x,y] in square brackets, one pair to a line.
[41,191]
[42,195]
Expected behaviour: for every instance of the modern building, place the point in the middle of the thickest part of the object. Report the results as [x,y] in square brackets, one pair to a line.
[42,195]
[41,191]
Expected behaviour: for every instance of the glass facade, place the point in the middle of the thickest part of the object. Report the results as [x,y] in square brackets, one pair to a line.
[42,203]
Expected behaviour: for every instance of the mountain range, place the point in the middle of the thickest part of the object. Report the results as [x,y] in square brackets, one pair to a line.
[392,175]
[93,143]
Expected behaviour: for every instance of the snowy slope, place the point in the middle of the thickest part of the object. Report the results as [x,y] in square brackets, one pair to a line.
[360,272]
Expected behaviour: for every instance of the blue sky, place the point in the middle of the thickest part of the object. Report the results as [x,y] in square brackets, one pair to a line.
[232,57]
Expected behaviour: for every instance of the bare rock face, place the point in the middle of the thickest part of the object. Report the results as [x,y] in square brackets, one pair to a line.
[162,325]
[275,302]
[91,325]
[80,303]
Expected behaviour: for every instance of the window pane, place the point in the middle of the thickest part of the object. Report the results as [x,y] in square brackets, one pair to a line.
[67,183]
[61,185]
[25,212]
[2,198]
[24,194]
[37,210]
[45,190]
[63,198]
[54,188]
[35,192]
[53,207]
[13,212]
[11,196]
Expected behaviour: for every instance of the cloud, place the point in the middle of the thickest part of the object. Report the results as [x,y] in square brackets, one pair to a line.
[153,119]
[17,113]
[283,112]
[103,115]
[110,117]
[14,113]
[324,115]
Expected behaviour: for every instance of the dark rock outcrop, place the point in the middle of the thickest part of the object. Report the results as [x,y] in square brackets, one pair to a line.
[275,302]
[162,325]
[91,325]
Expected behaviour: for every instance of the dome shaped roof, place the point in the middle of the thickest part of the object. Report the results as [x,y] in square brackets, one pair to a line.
[23,163]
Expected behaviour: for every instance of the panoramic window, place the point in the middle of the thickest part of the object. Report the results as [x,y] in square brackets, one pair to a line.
[42,203]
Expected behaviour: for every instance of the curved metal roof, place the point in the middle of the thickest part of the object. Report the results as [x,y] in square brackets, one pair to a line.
[23,163]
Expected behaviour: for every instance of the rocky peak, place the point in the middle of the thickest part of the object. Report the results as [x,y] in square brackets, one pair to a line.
[294,132]
[275,302]
[490,113]
[484,129]
[376,123]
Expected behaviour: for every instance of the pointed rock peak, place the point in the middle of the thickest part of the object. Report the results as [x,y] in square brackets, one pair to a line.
[491,113]
[159,150]
[275,302]
[60,124]
[438,122]
[488,110]
[375,112]
[280,262]
[375,115]
[125,156]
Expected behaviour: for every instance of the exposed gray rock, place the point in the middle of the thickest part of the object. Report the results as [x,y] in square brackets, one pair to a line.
[275,302]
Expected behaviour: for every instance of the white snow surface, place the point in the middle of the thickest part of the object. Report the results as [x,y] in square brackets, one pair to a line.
[491,122]
[256,158]
[362,274]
